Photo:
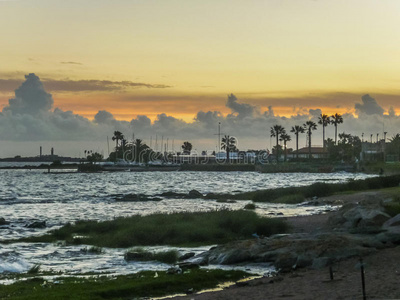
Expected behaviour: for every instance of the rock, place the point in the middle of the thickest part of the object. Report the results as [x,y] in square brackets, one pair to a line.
[174,270]
[195,194]
[359,217]
[3,222]
[188,265]
[137,198]
[231,256]
[187,256]
[321,262]
[172,195]
[286,261]
[395,221]
[37,224]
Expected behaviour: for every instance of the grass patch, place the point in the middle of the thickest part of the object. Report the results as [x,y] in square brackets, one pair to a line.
[250,206]
[140,254]
[138,285]
[318,189]
[177,229]
[34,270]
[290,199]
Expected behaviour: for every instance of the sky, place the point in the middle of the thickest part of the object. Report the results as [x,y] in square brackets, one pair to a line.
[73,71]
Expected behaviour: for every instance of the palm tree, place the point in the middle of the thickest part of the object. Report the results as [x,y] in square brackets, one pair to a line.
[186,148]
[309,126]
[276,131]
[297,130]
[285,138]
[336,119]
[118,136]
[228,144]
[138,148]
[324,121]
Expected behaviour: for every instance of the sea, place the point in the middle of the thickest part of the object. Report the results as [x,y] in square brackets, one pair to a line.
[66,196]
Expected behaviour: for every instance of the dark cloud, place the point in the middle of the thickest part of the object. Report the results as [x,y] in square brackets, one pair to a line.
[30,97]
[242,110]
[369,106]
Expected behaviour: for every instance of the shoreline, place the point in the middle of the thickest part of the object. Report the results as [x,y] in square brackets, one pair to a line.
[381,272]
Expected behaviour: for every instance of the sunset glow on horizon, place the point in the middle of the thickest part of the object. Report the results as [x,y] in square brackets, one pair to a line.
[177,59]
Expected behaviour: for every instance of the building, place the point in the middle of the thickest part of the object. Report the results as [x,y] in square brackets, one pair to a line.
[316,152]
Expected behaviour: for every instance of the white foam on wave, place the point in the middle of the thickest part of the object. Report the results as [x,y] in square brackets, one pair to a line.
[17,266]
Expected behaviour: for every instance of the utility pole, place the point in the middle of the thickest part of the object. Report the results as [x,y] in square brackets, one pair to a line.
[219,137]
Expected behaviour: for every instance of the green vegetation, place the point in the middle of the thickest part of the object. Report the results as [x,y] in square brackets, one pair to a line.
[290,199]
[250,206]
[34,270]
[140,254]
[286,195]
[186,228]
[143,284]
[392,208]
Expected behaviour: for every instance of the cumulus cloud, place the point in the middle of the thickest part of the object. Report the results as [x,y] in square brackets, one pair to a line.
[104,117]
[315,112]
[369,106]
[30,97]
[30,117]
[241,110]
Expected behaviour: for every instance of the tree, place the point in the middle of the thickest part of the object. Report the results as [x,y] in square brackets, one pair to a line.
[186,148]
[229,145]
[94,157]
[324,121]
[276,131]
[393,147]
[309,126]
[139,150]
[118,136]
[297,130]
[336,119]
[285,138]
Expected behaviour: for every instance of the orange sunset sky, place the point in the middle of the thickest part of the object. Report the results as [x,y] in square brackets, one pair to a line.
[187,56]
[176,57]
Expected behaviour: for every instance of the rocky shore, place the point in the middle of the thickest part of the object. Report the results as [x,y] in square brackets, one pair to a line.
[317,244]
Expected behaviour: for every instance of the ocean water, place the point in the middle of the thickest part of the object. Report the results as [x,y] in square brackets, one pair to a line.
[60,197]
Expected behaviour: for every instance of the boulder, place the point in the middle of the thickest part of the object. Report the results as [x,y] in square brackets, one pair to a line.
[137,198]
[186,256]
[3,222]
[174,270]
[395,221]
[195,194]
[188,265]
[37,224]
[359,217]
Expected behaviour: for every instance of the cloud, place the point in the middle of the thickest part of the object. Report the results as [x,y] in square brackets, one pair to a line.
[30,97]
[30,117]
[104,117]
[369,106]
[241,110]
[96,85]
[70,63]
[315,112]
[55,85]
